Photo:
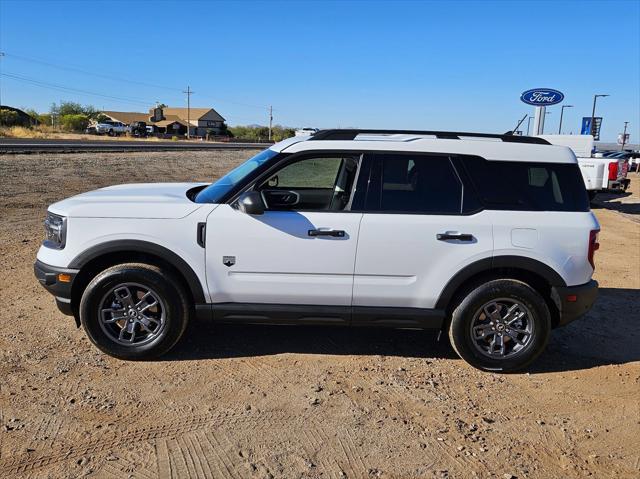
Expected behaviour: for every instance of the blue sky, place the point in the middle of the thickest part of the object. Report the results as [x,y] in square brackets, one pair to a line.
[458,65]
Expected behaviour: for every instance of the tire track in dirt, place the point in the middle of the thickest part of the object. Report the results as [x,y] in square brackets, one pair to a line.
[26,462]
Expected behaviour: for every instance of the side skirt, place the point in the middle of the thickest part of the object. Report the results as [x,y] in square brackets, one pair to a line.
[296,314]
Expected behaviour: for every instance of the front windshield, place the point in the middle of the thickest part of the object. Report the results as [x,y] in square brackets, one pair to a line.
[214,192]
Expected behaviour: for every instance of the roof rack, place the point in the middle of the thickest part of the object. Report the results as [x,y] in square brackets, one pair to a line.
[350,134]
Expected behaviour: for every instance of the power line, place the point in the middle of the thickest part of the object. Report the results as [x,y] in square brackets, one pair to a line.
[90,73]
[124,80]
[58,87]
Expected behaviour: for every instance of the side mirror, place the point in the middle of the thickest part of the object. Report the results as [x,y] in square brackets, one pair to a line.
[250,202]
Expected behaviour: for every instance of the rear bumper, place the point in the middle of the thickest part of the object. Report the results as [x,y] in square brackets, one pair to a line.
[617,185]
[49,278]
[574,301]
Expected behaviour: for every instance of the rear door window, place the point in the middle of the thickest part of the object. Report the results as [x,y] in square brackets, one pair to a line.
[530,186]
[426,184]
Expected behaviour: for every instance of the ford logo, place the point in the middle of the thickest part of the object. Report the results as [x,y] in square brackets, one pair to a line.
[542,97]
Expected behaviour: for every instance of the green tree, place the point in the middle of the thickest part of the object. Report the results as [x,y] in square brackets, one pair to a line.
[70,108]
[33,114]
[261,133]
[74,122]
[9,118]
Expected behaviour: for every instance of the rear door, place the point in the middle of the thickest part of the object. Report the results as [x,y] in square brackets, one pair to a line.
[418,230]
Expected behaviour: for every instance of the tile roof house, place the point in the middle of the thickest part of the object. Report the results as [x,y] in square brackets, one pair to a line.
[175,120]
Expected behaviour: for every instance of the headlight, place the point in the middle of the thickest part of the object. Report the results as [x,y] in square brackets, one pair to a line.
[55,231]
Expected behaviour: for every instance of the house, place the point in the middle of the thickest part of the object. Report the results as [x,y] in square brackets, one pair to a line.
[174,121]
[20,117]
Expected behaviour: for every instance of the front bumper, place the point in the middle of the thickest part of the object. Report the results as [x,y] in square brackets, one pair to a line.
[574,301]
[58,281]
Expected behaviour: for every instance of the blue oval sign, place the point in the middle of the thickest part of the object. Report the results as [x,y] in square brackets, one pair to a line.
[542,97]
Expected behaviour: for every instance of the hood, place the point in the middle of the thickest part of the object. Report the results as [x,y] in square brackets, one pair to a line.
[138,200]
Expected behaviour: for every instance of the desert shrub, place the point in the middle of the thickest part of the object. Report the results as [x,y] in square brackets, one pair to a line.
[74,122]
[9,118]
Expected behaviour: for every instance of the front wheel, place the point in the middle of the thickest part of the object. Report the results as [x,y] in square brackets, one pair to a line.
[501,325]
[134,311]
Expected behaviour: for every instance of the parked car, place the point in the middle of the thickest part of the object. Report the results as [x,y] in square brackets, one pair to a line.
[491,242]
[111,128]
[138,129]
[603,172]
[306,131]
[631,157]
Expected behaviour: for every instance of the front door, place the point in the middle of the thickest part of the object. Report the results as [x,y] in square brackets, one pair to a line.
[301,250]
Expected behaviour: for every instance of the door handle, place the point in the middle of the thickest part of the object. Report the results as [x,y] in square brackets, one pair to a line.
[201,234]
[334,233]
[454,236]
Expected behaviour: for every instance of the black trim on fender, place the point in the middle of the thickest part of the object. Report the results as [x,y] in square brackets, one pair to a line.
[137,246]
[302,314]
[489,264]
[47,275]
[585,295]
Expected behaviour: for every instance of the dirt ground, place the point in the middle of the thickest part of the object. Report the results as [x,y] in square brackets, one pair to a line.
[259,402]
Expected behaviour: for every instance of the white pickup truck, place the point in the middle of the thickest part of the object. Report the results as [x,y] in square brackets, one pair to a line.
[599,174]
[111,128]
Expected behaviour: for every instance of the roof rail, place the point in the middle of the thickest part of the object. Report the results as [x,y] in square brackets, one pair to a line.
[350,134]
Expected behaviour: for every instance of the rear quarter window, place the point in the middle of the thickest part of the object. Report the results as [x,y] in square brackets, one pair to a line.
[527,186]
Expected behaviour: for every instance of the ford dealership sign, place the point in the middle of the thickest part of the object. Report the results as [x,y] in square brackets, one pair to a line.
[542,97]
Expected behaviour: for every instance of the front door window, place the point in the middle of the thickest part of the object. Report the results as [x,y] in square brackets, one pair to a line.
[311,184]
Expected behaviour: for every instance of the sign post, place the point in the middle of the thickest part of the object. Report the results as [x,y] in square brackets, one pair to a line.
[541,98]
[538,120]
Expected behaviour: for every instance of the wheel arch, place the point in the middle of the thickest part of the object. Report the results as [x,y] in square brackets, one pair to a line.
[102,256]
[536,274]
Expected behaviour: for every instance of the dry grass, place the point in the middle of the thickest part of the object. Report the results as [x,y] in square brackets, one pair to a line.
[47,132]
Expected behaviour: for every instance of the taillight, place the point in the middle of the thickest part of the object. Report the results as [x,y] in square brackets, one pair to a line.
[613,171]
[593,246]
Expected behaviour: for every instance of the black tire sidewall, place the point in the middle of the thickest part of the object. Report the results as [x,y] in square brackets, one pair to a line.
[174,298]
[460,330]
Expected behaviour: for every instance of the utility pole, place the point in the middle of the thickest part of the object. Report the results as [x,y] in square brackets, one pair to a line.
[189,92]
[624,136]
[270,120]
[561,114]
[1,55]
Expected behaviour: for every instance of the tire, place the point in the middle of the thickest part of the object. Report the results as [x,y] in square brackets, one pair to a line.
[155,329]
[110,133]
[470,317]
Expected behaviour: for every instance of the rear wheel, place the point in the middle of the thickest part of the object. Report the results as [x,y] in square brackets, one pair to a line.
[502,325]
[134,311]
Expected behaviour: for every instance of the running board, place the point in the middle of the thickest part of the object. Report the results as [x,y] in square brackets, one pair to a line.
[296,314]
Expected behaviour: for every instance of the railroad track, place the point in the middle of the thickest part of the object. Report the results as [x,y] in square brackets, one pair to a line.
[15,145]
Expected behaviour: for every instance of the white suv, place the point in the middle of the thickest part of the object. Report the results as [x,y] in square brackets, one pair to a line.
[488,238]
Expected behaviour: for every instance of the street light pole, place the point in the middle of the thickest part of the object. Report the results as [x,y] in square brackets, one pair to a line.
[545,115]
[593,115]
[561,114]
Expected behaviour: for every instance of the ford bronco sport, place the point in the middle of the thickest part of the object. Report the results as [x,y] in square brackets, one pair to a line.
[488,238]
